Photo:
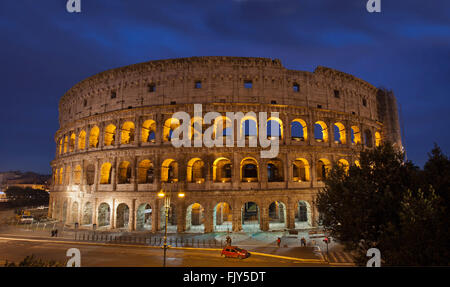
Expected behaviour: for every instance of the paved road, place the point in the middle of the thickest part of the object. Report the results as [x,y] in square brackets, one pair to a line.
[129,256]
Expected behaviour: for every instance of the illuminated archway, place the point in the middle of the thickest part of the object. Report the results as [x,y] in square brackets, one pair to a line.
[339,133]
[222,170]
[249,170]
[145,171]
[127,134]
[82,140]
[223,217]
[110,135]
[344,163]
[72,142]
[87,214]
[144,217]
[275,170]
[377,138]
[355,135]
[148,131]
[77,175]
[66,143]
[299,130]
[169,126]
[169,171]
[277,216]
[124,175]
[93,137]
[322,168]
[277,125]
[122,216]
[250,217]
[105,173]
[104,215]
[195,218]
[300,170]
[303,216]
[320,131]
[196,170]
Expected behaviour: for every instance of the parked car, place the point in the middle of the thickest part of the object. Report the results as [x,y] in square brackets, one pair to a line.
[234,252]
[26,219]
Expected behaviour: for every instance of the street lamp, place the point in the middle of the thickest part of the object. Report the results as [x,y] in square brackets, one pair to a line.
[162,194]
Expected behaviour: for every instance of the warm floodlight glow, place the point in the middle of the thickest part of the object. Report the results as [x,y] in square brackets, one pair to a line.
[181,194]
[161,194]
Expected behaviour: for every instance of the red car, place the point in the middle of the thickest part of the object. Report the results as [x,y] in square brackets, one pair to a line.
[234,252]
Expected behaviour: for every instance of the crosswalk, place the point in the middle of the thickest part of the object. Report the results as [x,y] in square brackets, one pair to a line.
[338,257]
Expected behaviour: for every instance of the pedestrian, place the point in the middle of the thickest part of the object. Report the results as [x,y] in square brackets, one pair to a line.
[228,240]
[278,241]
[53,232]
[303,241]
[56,232]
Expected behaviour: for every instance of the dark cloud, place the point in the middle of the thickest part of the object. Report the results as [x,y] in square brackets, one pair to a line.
[45,51]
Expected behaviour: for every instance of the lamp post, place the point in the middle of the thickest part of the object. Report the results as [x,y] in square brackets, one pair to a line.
[167,197]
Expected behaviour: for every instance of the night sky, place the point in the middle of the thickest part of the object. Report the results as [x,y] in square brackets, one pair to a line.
[45,51]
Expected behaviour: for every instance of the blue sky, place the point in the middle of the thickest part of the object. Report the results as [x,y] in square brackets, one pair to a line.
[45,51]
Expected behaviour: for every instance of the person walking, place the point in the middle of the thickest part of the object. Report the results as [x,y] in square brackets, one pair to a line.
[228,240]
[278,241]
[303,242]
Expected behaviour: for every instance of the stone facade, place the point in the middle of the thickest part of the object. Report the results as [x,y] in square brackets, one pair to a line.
[114,154]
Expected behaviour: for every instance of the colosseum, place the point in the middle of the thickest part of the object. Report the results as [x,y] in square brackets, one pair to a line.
[114,154]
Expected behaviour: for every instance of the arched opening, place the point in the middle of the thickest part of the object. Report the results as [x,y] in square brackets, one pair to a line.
[357,163]
[74,218]
[145,172]
[93,137]
[64,212]
[77,175]
[249,127]
[196,131]
[355,135]
[277,216]
[149,131]
[105,173]
[320,132]
[60,146]
[90,174]
[323,166]
[303,217]
[300,170]
[61,175]
[172,218]
[299,131]
[339,133]
[222,171]
[104,215]
[222,127]
[195,218]
[222,217]
[368,138]
[66,143]
[67,175]
[144,217]
[377,138]
[250,217]
[274,128]
[249,170]
[87,214]
[124,172]
[127,135]
[169,171]
[169,126]
[110,135]
[72,142]
[82,140]
[122,216]
[344,164]
[196,171]
[275,170]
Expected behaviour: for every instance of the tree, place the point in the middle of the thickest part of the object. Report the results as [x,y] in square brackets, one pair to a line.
[387,203]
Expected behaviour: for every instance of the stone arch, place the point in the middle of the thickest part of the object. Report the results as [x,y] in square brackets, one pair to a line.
[251,217]
[77,175]
[357,163]
[322,168]
[249,126]
[105,173]
[72,140]
[355,135]
[222,170]
[87,214]
[66,143]
[110,135]
[124,173]
[299,130]
[276,124]
[122,216]
[249,170]
[301,170]
[196,170]
[145,171]
[223,217]
[303,215]
[277,216]
[321,131]
[344,163]
[93,137]
[195,218]
[224,123]
[339,133]
[368,138]
[82,140]
[169,126]
[275,170]
[172,218]
[148,133]
[169,171]
[104,215]
[377,138]
[60,146]
[90,174]
[127,133]
[74,217]
[61,175]
[144,217]
[64,211]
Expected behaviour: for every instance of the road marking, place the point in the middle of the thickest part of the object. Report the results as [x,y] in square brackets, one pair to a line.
[156,247]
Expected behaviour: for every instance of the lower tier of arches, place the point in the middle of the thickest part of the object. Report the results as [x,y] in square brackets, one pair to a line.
[197,212]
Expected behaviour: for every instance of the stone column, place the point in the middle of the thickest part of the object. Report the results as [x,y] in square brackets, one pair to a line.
[138,131]
[208,214]
[159,129]
[113,214]
[180,213]
[132,218]
[235,177]
[95,212]
[290,214]
[114,174]
[263,216]
[156,211]
[237,216]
